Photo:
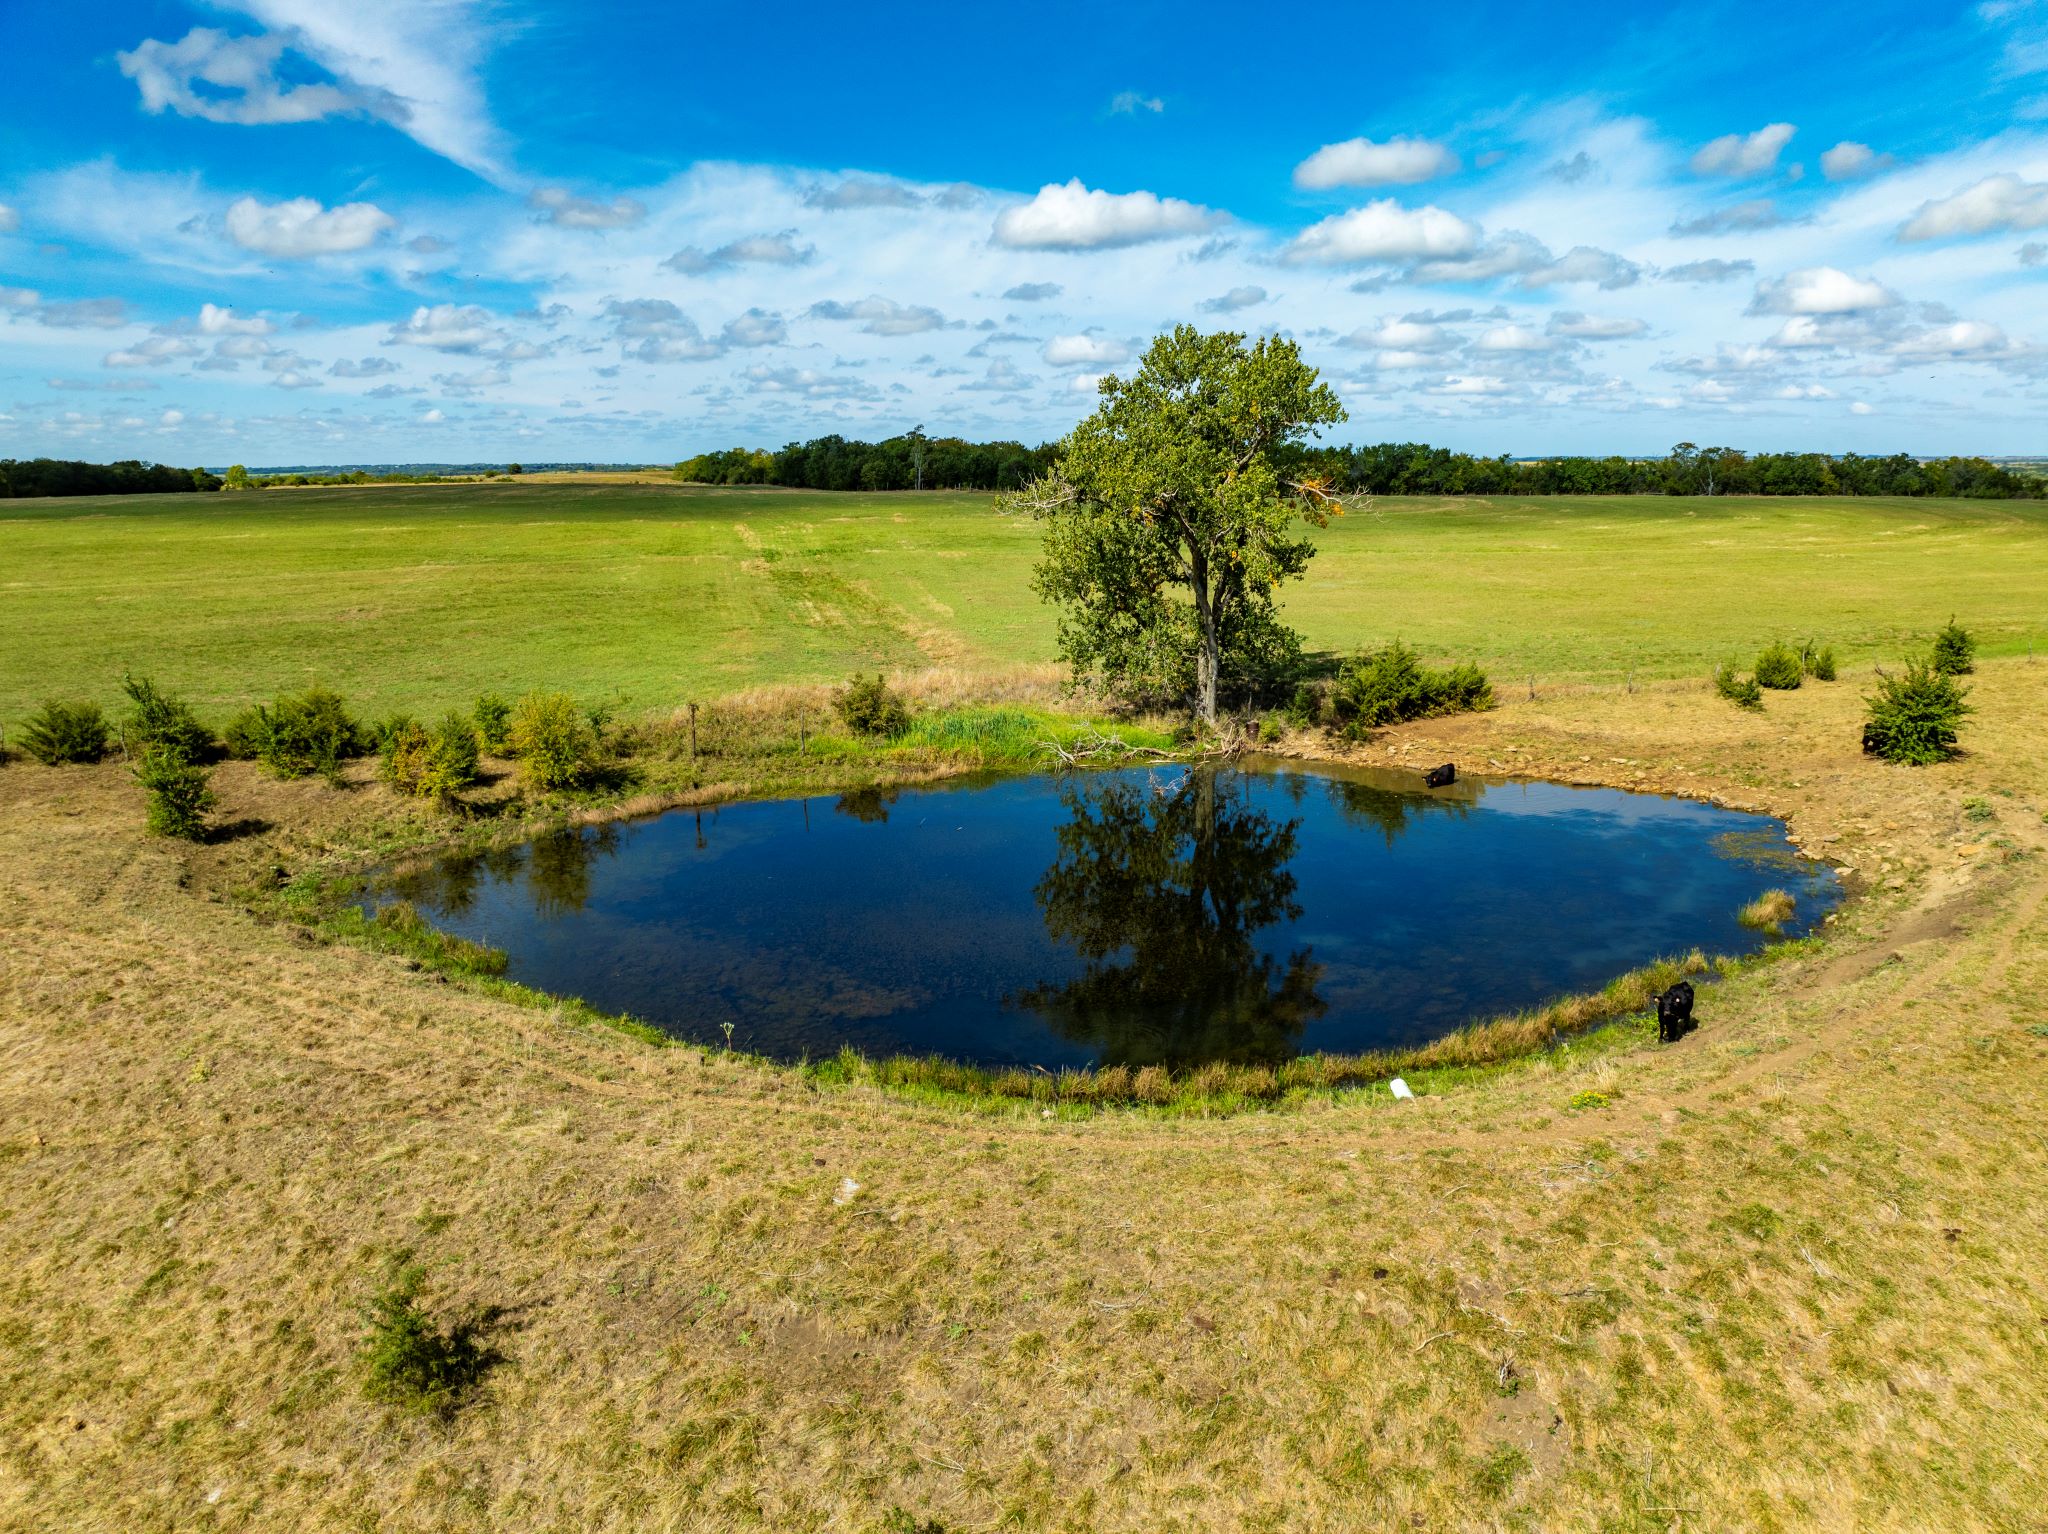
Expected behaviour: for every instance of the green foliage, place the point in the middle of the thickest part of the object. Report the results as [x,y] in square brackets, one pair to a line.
[1382,687]
[243,737]
[1955,650]
[1168,519]
[1738,689]
[432,763]
[493,717]
[553,739]
[399,928]
[178,793]
[411,1363]
[1817,660]
[1779,668]
[156,719]
[1306,705]
[65,732]
[237,478]
[301,734]
[868,706]
[1914,715]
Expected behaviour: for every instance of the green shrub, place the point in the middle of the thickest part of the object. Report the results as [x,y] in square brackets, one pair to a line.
[411,1363]
[1914,716]
[243,737]
[178,794]
[1384,687]
[66,732]
[1955,650]
[870,707]
[434,764]
[553,740]
[156,719]
[1738,689]
[1778,668]
[297,736]
[1306,707]
[1817,661]
[493,716]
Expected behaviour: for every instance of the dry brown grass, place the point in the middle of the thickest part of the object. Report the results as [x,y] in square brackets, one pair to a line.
[1785,1275]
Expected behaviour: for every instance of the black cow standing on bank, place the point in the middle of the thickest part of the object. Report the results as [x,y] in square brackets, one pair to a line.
[1674,1013]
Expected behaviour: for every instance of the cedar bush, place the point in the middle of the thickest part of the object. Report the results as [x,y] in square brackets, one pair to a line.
[157,719]
[301,734]
[1817,660]
[432,763]
[1738,689]
[1955,650]
[178,793]
[411,1363]
[1777,667]
[553,739]
[65,732]
[493,717]
[871,707]
[1914,716]
[1384,687]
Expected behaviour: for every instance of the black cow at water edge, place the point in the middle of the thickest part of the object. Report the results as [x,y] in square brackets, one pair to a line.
[1674,1013]
[1440,777]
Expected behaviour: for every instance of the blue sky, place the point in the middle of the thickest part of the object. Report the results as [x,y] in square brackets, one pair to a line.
[386,230]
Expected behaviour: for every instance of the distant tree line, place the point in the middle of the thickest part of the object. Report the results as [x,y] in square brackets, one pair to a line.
[1415,468]
[912,461]
[63,476]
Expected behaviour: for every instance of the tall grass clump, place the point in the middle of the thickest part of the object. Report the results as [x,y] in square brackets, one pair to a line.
[1777,667]
[492,717]
[1769,911]
[1382,687]
[435,763]
[65,732]
[1914,715]
[299,734]
[869,706]
[157,719]
[179,795]
[411,1363]
[1738,689]
[1955,650]
[553,739]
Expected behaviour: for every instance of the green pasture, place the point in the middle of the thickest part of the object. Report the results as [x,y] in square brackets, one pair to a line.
[418,596]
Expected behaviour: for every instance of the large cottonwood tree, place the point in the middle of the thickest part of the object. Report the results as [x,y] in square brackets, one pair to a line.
[1171,521]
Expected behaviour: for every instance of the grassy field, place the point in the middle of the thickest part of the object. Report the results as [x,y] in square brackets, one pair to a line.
[422,596]
[1783,1276]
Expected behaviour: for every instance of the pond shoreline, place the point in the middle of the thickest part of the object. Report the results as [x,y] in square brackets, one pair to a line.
[1609,1018]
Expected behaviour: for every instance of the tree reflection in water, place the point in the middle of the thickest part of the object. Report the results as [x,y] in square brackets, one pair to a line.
[1161,890]
[556,866]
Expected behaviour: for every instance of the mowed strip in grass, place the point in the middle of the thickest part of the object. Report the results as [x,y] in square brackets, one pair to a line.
[422,596]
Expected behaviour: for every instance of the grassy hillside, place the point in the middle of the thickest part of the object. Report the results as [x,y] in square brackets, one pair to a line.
[418,596]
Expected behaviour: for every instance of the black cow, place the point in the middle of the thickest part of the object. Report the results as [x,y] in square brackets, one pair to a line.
[1674,1013]
[1440,777]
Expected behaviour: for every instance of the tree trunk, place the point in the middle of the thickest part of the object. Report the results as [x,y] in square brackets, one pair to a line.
[1209,660]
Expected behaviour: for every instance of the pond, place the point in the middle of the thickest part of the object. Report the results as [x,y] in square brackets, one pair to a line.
[1154,915]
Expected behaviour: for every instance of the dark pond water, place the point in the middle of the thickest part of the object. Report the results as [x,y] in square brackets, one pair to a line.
[1155,915]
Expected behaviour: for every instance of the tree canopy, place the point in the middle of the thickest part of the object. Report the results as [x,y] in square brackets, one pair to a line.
[1170,522]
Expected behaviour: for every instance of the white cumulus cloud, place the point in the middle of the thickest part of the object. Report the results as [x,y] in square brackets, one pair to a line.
[1820,290]
[1384,231]
[1399,161]
[1085,351]
[241,76]
[1743,154]
[448,328]
[559,206]
[1992,206]
[1072,217]
[216,321]
[299,227]
[1849,161]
